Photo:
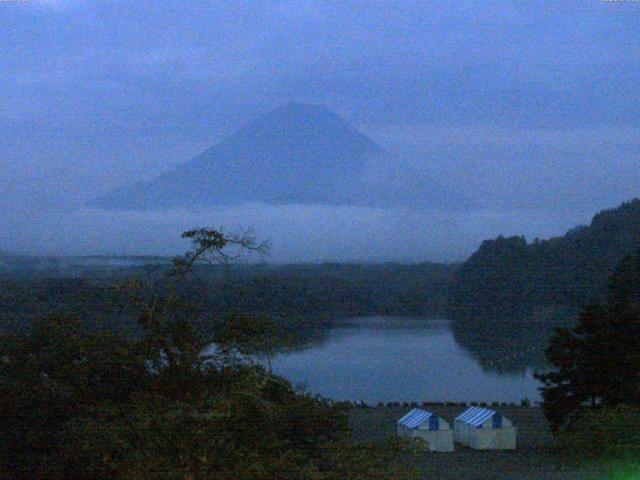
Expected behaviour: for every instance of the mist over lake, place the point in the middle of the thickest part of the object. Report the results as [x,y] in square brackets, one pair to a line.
[297,233]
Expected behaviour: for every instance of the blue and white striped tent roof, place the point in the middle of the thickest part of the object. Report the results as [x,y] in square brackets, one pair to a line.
[416,417]
[476,416]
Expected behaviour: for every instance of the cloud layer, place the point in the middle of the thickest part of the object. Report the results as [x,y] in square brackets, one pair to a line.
[528,104]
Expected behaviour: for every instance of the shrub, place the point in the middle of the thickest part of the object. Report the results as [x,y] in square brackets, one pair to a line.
[603,432]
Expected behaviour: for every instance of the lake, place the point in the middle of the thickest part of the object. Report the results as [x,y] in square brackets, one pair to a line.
[381,359]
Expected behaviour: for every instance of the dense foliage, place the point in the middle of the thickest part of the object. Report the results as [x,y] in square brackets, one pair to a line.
[302,296]
[597,362]
[85,405]
[508,279]
[96,404]
[604,432]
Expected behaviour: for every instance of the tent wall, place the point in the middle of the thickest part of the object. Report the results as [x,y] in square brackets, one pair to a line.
[486,438]
[438,441]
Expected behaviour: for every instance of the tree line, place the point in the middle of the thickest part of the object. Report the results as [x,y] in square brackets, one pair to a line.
[305,296]
[512,280]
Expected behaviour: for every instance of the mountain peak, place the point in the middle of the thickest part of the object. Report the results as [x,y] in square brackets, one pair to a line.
[298,153]
[305,119]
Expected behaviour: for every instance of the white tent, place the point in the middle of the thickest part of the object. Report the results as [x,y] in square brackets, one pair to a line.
[429,427]
[484,429]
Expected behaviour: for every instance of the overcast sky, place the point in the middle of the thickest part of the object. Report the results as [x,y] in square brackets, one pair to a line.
[526,106]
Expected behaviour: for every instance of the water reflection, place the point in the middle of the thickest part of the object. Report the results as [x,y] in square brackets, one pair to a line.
[391,358]
[504,347]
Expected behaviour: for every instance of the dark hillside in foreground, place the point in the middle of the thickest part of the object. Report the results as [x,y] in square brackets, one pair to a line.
[510,280]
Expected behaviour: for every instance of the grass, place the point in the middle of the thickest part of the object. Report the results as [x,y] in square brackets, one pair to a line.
[623,468]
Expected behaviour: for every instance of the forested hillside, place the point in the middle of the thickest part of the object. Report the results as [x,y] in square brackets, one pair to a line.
[509,279]
[310,294]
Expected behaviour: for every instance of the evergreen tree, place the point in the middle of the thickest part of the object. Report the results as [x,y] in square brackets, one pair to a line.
[597,362]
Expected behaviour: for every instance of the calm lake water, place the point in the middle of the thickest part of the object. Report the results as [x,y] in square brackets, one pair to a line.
[399,359]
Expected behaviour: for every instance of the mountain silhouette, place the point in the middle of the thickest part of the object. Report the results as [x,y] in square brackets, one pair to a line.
[298,153]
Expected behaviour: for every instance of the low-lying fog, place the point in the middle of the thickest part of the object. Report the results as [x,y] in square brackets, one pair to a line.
[531,109]
[296,233]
